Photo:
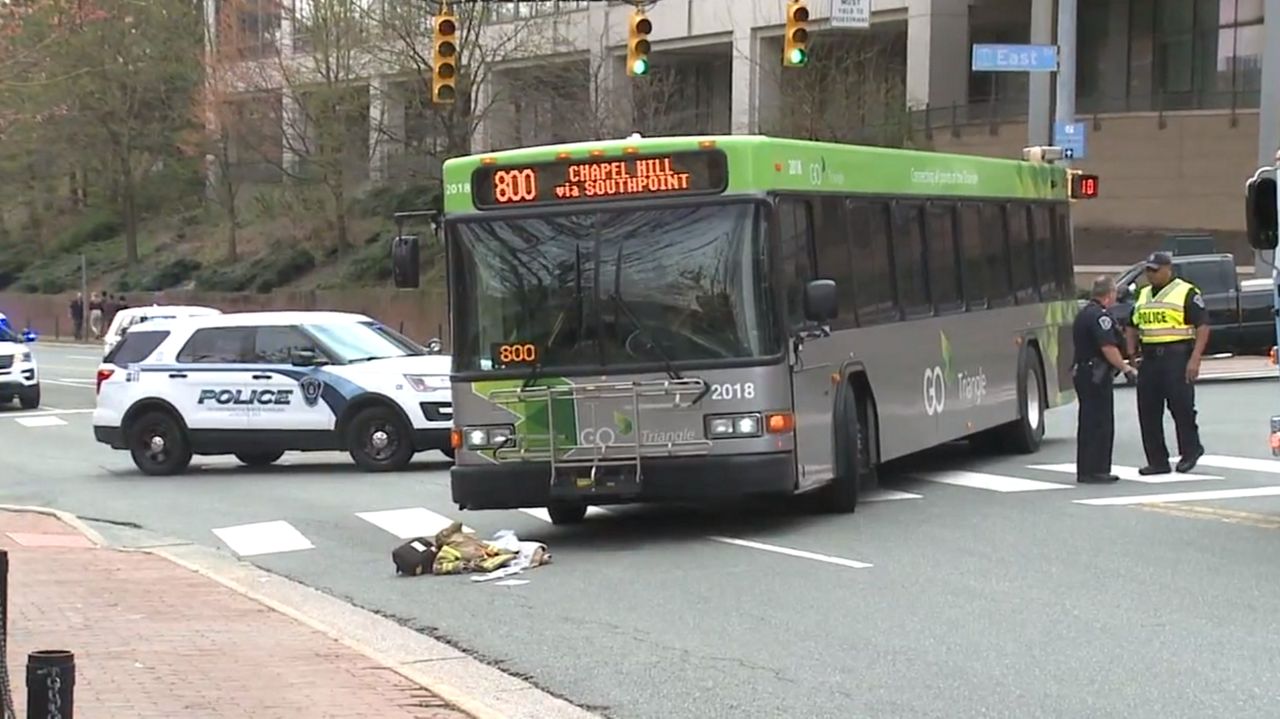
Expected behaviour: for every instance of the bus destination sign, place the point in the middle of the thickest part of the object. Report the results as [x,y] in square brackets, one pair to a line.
[550,183]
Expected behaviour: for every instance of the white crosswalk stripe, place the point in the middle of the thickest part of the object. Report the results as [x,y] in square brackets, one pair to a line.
[992,482]
[1130,473]
[1207,495]
[409,522]
[1245,464]
[540,513]
[249,540]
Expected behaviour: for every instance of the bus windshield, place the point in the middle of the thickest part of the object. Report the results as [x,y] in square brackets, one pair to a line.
[633,288]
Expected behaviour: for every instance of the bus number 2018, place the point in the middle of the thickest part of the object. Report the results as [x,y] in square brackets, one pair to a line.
[737,390]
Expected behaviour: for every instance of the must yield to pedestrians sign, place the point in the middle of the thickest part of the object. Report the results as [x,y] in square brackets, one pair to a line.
[851,13]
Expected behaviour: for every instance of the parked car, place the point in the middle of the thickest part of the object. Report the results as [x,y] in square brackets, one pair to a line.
[19,376]
[1239,310]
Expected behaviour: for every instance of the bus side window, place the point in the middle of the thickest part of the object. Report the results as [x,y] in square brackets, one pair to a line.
[832,248]
[797,267]
[908,260]
[995,245]
[872,269]
[1042,239]
[944,269]
[1065,263]
[1021,256]
[973,257]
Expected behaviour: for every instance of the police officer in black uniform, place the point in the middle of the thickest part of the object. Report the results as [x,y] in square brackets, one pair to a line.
[1097,361]
[1171,323]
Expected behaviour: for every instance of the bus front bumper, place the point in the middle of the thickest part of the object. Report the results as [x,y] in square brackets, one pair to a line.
[512,485]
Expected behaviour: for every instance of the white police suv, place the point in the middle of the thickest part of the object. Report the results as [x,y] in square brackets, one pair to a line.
[18,374]
[258,384]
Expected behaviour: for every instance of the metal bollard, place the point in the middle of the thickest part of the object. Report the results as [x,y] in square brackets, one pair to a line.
[51,680]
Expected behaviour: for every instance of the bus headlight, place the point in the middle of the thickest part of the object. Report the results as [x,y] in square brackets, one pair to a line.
[733,426]
[488,437]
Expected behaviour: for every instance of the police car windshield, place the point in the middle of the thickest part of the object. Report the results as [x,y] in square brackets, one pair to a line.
[363,341]
[7,334]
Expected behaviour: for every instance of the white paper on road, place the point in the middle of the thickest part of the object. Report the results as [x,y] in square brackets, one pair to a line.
[507,541]
[248,540]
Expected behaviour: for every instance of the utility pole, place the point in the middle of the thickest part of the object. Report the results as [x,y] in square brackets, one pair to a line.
[1066,111]
[1269,110]
[1038,82]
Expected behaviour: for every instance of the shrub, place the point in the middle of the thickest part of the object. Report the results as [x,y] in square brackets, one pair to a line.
[96,226]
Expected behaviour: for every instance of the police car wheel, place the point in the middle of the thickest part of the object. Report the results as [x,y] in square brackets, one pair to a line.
[259,459]
[30,399]
[379,441]
[158,444]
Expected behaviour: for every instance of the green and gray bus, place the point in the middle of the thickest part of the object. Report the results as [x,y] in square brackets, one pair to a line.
[701,318]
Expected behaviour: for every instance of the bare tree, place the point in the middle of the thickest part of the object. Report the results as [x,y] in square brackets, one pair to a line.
[852,90]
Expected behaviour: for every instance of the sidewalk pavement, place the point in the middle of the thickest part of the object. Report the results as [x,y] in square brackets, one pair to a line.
[153,639]
[1236,365]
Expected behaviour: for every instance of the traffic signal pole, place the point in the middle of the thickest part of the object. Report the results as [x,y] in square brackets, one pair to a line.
[1269,111]
[1066,110]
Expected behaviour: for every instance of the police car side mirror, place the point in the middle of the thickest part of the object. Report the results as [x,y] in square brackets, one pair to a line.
[304,358]
[820,300]
[404,262]
[434,346]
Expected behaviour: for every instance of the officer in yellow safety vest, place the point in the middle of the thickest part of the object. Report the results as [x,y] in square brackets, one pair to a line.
[1170,322]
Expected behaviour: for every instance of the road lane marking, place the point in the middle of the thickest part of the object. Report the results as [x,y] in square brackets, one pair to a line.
[1130,473]
[1182,496]
[42,413]
[85,357]
[1265,521]
[60,383]
[540,513]
[47,421]
[410,522]
[249,540]
[993,482]
[1247,464]
[841,561]
[886,495]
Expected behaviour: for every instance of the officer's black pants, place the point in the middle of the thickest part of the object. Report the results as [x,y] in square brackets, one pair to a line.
[1095,428]
[1162,380]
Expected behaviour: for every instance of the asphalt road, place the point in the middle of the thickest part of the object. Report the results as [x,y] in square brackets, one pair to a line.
[1007,591]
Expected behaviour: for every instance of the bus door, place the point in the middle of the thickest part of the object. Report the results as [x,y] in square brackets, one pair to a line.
[813,356]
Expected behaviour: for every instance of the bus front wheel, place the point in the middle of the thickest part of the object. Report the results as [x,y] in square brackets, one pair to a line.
[854,466]
[566,512]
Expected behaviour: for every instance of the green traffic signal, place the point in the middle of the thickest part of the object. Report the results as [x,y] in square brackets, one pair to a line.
[640,66]
[797,57]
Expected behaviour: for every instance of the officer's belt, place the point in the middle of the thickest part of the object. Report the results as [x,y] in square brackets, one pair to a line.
[1160,347]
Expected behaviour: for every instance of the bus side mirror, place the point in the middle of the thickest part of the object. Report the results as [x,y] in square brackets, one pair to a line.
[820,304]
[404,261]
[1260,210]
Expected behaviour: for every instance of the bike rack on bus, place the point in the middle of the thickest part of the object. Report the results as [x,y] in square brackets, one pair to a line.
[568,458]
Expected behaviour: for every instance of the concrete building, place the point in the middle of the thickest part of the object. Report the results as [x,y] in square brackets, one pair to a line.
[1169,89]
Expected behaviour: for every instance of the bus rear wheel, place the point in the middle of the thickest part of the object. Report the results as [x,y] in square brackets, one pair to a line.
[1024,434]
[566,512]
[854,464]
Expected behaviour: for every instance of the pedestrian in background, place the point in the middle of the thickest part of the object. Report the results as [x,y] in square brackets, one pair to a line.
[95,315]
[1097,361]
[1171,324]
[77,316]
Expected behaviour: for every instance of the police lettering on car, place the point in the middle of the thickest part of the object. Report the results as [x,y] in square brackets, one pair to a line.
[1097,362]
[1170,324]
[256,385]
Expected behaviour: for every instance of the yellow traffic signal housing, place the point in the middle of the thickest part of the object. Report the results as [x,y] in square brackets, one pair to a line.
[444,67]
[795,44]
[638,44]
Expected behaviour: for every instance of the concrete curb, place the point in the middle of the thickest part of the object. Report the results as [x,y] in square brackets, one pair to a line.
[470,685]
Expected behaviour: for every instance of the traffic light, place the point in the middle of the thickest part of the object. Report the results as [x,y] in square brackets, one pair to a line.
[444,69]
[1083,187]
[638,44]
[795,44]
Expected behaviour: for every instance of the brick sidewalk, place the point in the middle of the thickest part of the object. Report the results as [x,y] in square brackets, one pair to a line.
[152,639]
